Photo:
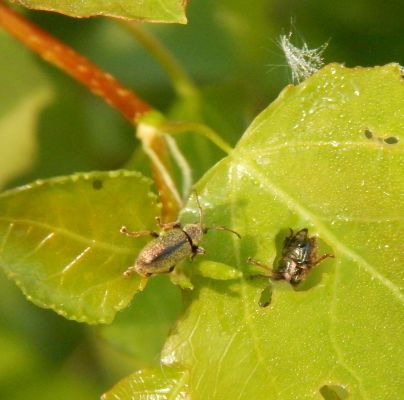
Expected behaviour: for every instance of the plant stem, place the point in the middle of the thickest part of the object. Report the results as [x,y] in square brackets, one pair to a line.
[183,165]
[155,147]
[181,81]
[177,127]
[80,68]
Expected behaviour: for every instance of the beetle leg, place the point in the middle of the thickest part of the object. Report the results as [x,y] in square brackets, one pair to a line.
[276,276]
[126,232]
[195,251]
[169,225]
[253,261]
[199,250]
[323,257]
[265,267]
[132,270]
[129,271]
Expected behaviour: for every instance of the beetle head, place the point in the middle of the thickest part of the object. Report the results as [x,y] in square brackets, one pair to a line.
[291,271]
[301,237]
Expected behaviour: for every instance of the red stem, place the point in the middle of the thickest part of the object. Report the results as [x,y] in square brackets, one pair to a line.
[80,68]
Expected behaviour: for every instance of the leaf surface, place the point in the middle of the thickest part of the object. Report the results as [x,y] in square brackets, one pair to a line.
[148,10]
[307,161]
[60,241]
[159,383]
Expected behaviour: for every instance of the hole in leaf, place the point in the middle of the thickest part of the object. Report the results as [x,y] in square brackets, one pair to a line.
[391,140]
[368,134]
[97,184]
[266,297]
[334,392]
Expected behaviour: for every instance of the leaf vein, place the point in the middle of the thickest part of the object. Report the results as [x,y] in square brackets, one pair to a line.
[6,236]
[65,232]
[75,260]
[220,361]
[306,145]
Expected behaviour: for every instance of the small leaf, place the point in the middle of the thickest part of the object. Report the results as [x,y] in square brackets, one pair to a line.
[60,241]
[162,383]
[180,279]
[305,162]
[216,270]
[147,10]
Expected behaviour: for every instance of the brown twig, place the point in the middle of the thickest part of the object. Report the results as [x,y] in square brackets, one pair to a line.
[80,68]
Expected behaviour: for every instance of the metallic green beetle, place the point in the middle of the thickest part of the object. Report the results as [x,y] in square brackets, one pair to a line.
[172,245]
[299,256]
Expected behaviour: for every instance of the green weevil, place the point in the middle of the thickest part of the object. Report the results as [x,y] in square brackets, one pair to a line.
[175,243]
[299,256]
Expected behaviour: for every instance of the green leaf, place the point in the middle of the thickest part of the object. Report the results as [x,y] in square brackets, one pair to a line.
[60,241]
[142,328]
[149,10]
[158,383]
[306,161]
[216,270]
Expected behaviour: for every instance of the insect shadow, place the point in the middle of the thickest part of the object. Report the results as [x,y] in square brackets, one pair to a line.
[261,280]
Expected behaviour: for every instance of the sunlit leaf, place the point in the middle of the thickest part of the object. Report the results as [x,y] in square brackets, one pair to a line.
[308,160]
[159,383]
[60,241]
[148,10]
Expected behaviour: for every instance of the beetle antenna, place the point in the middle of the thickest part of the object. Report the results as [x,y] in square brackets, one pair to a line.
[222,228]
[199,208]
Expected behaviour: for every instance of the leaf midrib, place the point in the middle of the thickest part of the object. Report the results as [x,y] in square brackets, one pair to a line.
[69,234]
[329,237]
